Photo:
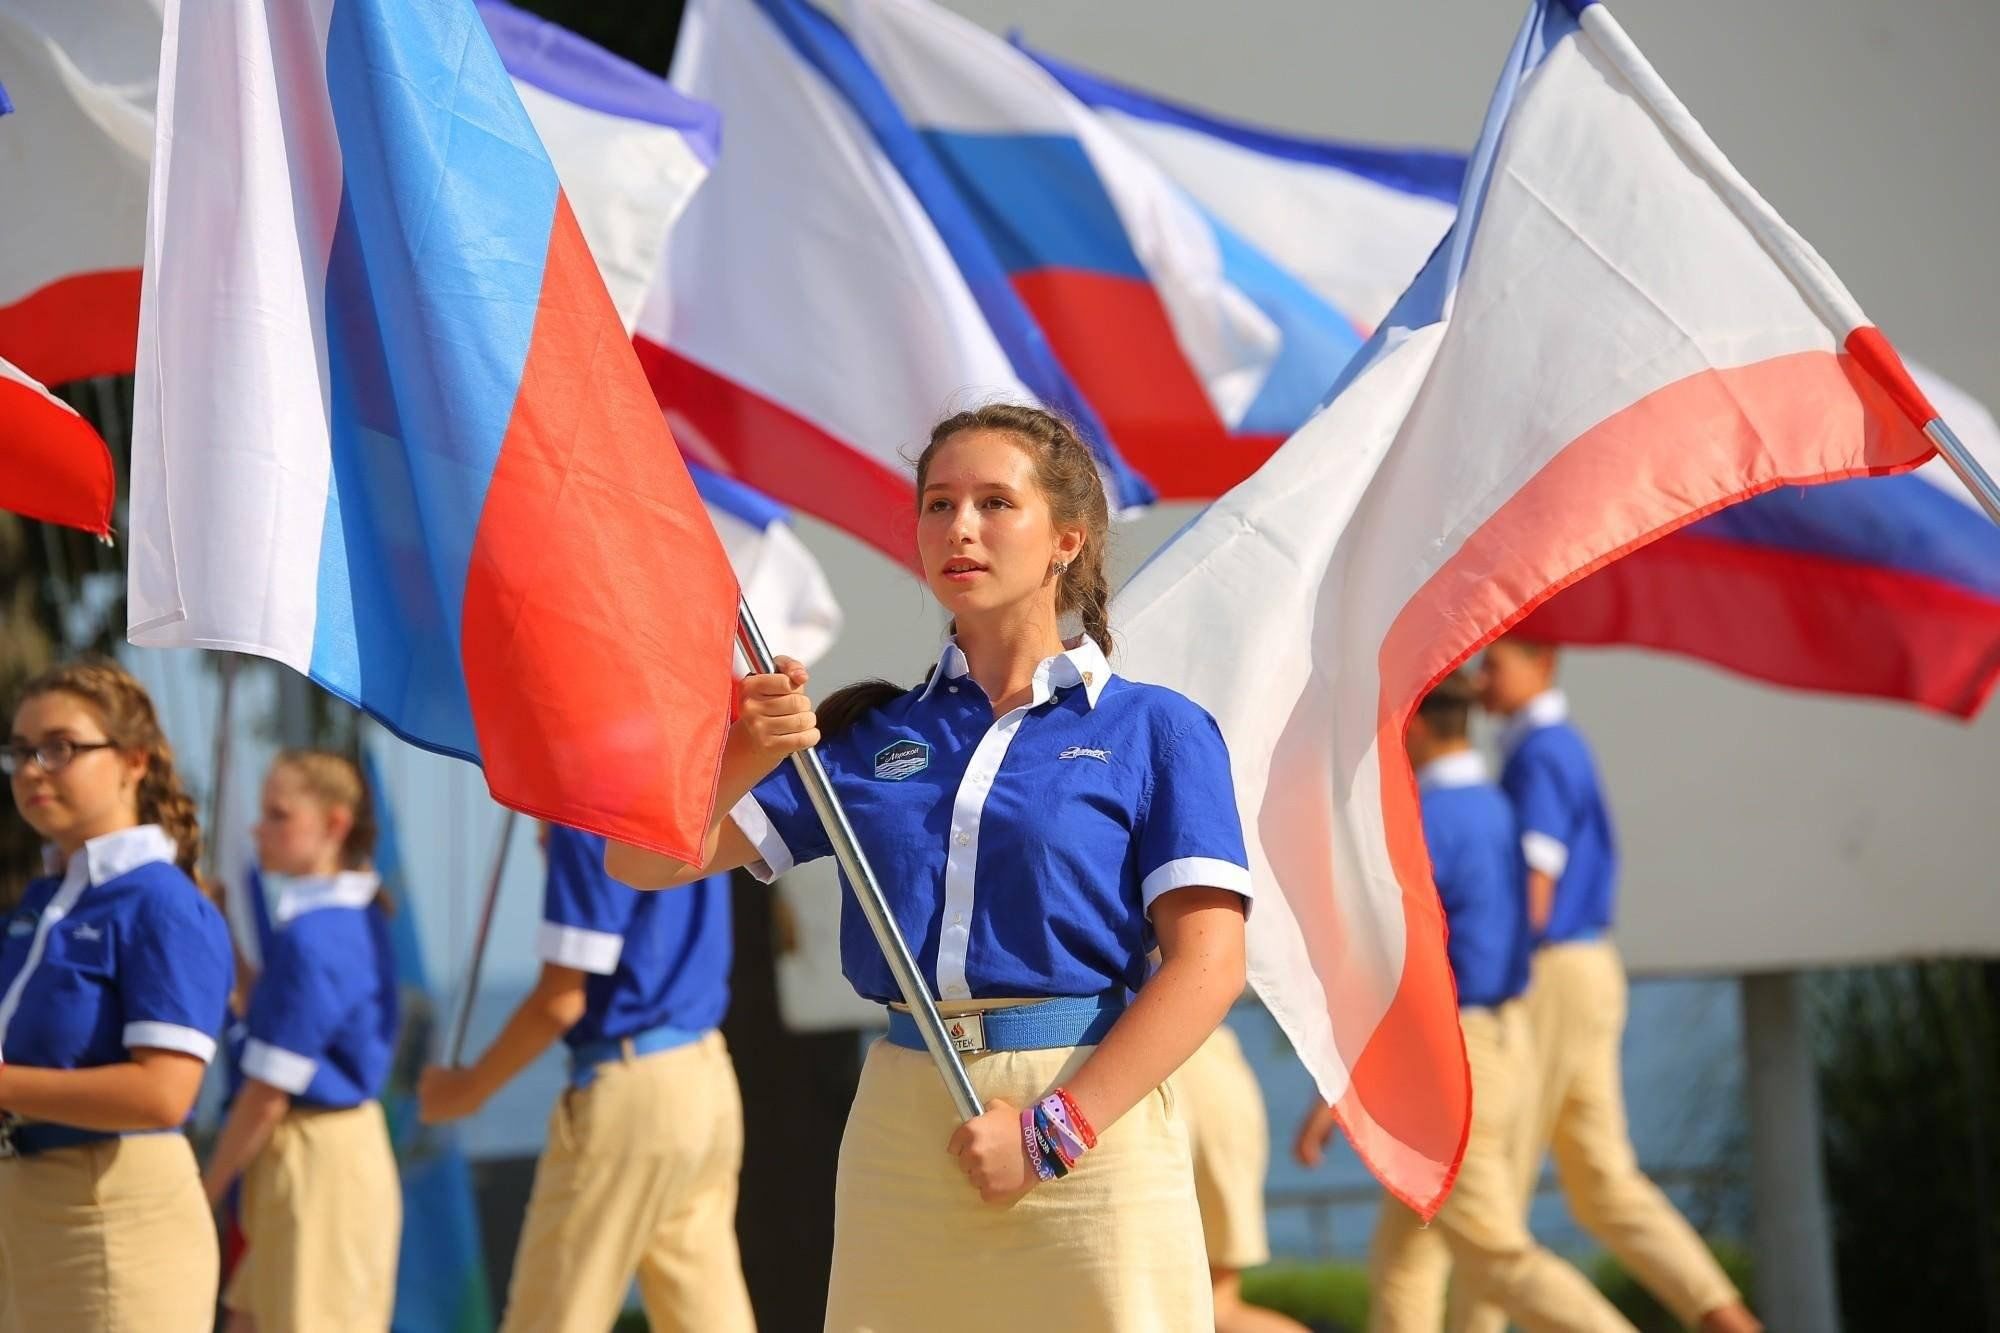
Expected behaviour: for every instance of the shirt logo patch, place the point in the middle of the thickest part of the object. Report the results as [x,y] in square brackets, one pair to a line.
[1085,752]
[87,934]
[901,760]
[23,924]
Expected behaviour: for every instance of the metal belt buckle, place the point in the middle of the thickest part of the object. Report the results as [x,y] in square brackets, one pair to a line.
[967,1033]
[9,1122]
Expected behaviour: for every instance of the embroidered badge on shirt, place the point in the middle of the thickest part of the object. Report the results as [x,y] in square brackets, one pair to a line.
[903,759]
[86,934]
[1085,752]
[22,924]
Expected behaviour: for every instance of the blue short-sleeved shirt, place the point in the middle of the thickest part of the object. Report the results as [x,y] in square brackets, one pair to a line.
[1566,830]
[323,1016]
[121,952]
[655,959]
[1476,862]
[1021,856]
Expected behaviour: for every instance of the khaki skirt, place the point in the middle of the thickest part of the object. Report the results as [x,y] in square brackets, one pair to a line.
[322,1220]
[105,1238]
[1116,1246]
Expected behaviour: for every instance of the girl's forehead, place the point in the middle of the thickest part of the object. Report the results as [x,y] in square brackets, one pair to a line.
[56,710]
[980,456]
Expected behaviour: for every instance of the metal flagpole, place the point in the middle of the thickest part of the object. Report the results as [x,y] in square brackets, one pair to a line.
[868,891]
[469,991]
[1975,477]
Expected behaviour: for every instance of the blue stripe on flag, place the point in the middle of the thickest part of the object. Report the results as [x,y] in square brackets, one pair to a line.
[565,65]
[1423,171]
[822,44]
[734,498]
[1039,201]
[1900,523]
[1316,341]
[433,287]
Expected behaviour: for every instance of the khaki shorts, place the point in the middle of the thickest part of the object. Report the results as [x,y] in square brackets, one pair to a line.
[1224,1110]
[1115,1247]
[322,1218]
[109,1237]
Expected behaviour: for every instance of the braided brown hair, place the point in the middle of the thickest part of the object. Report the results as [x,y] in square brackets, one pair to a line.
[1066,472]
[126,712]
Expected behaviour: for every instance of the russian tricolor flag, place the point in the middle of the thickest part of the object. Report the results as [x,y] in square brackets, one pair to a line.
[1616,337]
[1197,351]
[390,431]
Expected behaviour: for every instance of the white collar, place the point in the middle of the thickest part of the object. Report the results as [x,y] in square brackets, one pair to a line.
[1544,710]
[1081,663]
[1460,768]
[109,855]
[350,888]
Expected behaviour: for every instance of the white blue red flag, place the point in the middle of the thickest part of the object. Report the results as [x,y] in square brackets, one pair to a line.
[1616,337]
[827,296]
[389,430]
[1199,354]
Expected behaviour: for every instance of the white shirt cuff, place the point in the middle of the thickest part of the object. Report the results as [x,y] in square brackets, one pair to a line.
[284,1070]
[1544,853]
[774,858]
[1191,871]
[593,951]
[170,1037]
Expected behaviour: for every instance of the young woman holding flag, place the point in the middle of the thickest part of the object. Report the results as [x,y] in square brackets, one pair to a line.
[322,1203]
[1039,826]
[114,976]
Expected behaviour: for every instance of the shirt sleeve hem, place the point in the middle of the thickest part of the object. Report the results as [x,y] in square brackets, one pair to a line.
[774,857]
[1196,871]
[1544,853]
[287,1071]
[593,951]
[170,1037]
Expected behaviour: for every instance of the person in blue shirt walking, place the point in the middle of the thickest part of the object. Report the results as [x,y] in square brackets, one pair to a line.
[321,1206]
[1481,1233]
[1039,825]
[1577,996]
[639,1177]
[114,977]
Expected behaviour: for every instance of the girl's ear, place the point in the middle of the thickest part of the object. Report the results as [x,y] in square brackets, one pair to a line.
[339,823]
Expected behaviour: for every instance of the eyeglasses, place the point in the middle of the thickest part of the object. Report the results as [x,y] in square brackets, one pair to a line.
[54,755]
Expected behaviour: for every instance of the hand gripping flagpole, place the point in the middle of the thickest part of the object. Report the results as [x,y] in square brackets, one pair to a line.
[470,990]
[868,891]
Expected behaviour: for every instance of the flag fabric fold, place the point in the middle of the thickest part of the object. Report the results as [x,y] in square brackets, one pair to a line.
[1198,352]
[54,466]
[1616,337]
[389,430]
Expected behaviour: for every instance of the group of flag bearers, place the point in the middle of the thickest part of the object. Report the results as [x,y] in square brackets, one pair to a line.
[1061,843]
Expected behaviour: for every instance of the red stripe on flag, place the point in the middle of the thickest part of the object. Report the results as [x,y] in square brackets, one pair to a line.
[75,327]
[1114,338]
[600,610]
[1808,622]
[53,465]
[766,445]
[1685,450]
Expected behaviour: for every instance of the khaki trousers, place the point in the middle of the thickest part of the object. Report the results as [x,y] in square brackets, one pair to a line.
[1219,1099]
[1576,1002]
[639,1177]
[1481,1231]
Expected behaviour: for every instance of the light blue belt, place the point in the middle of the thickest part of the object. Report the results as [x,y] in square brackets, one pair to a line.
[1078,1021]
[585,1060]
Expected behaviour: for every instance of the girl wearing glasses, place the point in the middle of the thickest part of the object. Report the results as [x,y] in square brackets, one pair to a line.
[321,1204]
[114,977]
[1040,825]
